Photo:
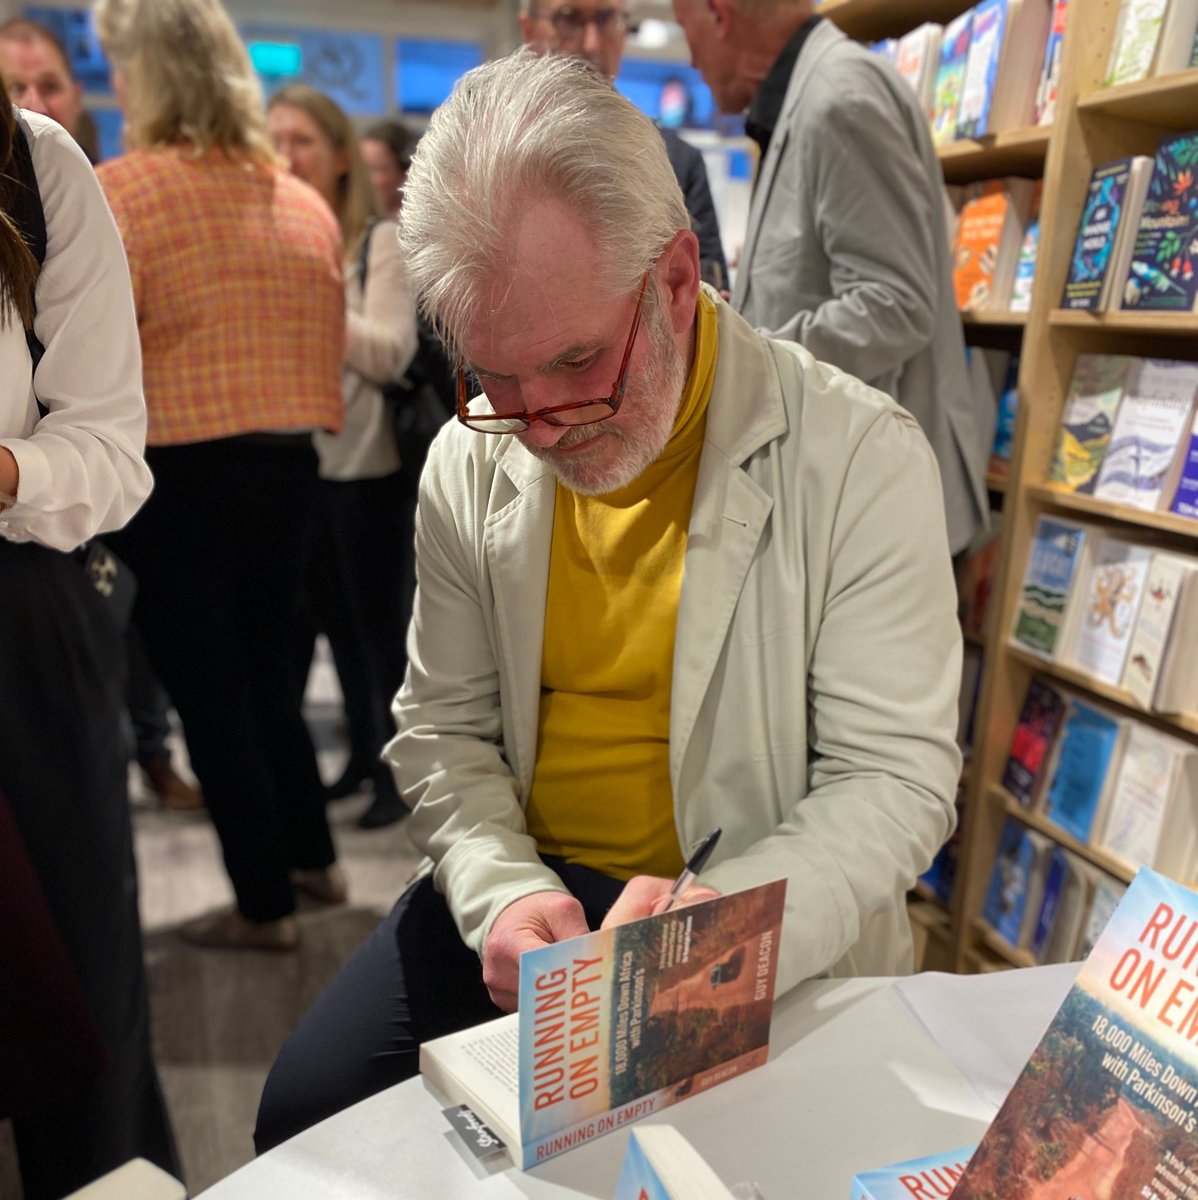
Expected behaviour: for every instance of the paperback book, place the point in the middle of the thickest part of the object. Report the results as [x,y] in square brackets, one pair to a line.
[1086,758]
[950,77]
[620,1023]
[1088,420]
[1170,577]
[1106,1106]
[1053,561]
[1185,497]
[1017,882]
[1050,73]
[1133,47]
[660,1164]
[1039,722]
[1103,217]
[981,68]
[919,1179]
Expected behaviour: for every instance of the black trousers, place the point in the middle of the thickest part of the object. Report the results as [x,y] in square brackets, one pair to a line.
[361,583]
[412,980]
[63,770]
[218,551]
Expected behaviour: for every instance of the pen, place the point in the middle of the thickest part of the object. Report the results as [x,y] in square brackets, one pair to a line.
[694,865]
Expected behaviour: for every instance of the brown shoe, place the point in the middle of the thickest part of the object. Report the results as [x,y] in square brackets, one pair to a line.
[174,793]
[232,931]
[326,884]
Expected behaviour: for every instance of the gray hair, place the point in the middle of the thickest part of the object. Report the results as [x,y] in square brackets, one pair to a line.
[514,131]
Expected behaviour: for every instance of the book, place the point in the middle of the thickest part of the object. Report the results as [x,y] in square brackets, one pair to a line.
[887,48]
[1133,47]
[1161,276]
[918,1179]
[1169,578]
[1050,72]
[1042,616]
[1039,723]
[1085,761]
[917,61]
[1108,894]
[950,76]
[1114,588]
[620,1023]
[1025,264]
[1177,682]
[1088,420]
[1146,441]
[660,1164]
[1068,895]
[1185,494]
[1105,1105]
[981,68]
[1106,232]
[1017,882]
[1025,35]
[1174,46]
[967,697]
[1004,426]
[1152,821]
[989,236]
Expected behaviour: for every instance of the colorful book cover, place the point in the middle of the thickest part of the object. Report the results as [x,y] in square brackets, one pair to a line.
[1141,796]
[1154,416]
[1096,234]
[1050,74]
[1039,722]
[1050,903]
[1163,276]
[1051,566]
[660,1164]
[1004,428]
[981,68]
[1105,1108]
[1185,499]
[975,253]
[918,1179]
[1088,420]
[1146,655]
[1011,881]
[1025,268]
[1110,607]
[1136,32]
[954,53]
[1089,741]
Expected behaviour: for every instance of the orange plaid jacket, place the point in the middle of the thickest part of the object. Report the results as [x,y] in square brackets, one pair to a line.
[240,305]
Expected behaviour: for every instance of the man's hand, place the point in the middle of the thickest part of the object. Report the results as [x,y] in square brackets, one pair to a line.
[10,474]
[647,895]
[526,924]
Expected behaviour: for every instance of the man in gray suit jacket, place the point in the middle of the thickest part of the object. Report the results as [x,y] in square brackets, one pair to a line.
[846,250]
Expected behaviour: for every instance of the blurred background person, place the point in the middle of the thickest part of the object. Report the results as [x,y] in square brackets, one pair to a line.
[236,271]
[365,516]
[83,1093]
[387,151]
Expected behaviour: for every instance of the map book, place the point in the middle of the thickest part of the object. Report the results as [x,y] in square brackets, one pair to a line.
[919,1179]
[620,1023]
[1055,557]
[950,77]
[660,1164]
[1107,1106]
[1088,420]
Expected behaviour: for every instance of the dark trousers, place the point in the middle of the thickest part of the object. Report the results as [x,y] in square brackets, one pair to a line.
[412,980]
[361,582]
[63,771]
[148,703]
[218,552]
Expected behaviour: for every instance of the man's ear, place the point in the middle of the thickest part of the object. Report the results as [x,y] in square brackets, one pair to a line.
[723,15]
[526,28]
[678,269]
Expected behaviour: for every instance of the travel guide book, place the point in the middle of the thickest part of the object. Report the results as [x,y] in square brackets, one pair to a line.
[1107,1106]
[919,1179]
[620,1023]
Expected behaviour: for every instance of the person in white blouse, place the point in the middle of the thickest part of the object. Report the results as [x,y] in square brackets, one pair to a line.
[72,430]
[362,576]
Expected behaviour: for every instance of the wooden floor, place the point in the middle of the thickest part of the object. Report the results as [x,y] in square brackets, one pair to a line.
[219,1018]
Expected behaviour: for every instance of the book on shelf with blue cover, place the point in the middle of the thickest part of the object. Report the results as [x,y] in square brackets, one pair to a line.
[1057,552]
[1016,882]
[1185,496]
[954,53]
[981,68]
[1096,233]
[1083,771]
[1163,276]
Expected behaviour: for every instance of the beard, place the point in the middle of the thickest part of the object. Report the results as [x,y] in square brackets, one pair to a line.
[648,412]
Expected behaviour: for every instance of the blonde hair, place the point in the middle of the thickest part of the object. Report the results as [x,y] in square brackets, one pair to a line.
[188,76]
[357,205]
[514,131]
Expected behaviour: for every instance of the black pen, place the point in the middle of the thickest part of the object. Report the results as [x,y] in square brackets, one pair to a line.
[694,865]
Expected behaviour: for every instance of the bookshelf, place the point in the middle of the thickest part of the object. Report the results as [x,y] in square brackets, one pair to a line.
[1093,125]
[1015,152]
[868,20]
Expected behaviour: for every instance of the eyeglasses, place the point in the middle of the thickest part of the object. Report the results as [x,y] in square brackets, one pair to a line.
[580,412]
[571,24]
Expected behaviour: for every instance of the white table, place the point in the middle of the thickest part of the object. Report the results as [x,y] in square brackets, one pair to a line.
[854,1081]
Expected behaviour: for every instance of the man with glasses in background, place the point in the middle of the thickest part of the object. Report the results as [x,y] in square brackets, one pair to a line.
[595,30]
[672,576]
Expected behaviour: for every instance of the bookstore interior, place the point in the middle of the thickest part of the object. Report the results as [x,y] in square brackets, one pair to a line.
[1068,135]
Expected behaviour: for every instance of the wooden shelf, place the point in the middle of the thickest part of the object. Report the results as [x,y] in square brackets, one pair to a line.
[994,318]
[997,483]
[1058,497]
[1170,100]
[1014,152]
[1150,324]
[1000,946]
[1172,722]
[1036,820]
[983,962]
[869,20]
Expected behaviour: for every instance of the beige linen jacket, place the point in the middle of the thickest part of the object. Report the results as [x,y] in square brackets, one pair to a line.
[816,667]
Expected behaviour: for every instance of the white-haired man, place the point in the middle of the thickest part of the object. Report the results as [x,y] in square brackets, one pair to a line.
[595,30]
[672,575]
[846,251]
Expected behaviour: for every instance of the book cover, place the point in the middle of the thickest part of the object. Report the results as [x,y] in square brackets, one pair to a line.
[1176,41]
[1056,882]
[1013,103]
[1004,426]
[1016,882]
[1072,906]
[1096,233]
[1025,268]
[1052,564]
[918,60]
[1108,895]
[660,1164]
[620,1023]
[1146,655]
[1110,606]
[1154,414]
[1050,73]
[918,1179]
[954,53]
[1105,1107]
[1134,45]
[1185,496]
[981,68]
[1088,420]
[1081,779]
[1161,277]
[1039,723]
[989,235]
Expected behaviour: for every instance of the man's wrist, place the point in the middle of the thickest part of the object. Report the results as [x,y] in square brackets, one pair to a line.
[10,477]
